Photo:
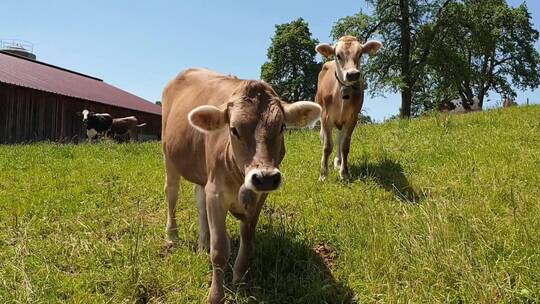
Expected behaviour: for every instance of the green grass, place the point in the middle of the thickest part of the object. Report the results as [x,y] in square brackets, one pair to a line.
[441,209]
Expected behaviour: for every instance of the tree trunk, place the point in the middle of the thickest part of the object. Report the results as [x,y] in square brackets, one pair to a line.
[405,27]
[406,101]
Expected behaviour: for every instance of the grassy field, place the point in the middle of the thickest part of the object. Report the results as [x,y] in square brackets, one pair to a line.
[441,209]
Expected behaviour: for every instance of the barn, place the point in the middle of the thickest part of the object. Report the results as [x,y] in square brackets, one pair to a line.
[40,101]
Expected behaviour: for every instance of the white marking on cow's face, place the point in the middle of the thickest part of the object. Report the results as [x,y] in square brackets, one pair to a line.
[91,133]
[258,173]
[347,62]
[85,114]
[458,104]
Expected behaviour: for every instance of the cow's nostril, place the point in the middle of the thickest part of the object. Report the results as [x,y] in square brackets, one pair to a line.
[352,76]
[256,179]
[266,180]
[276,179]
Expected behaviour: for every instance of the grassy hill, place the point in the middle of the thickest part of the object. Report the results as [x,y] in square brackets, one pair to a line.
[441,209]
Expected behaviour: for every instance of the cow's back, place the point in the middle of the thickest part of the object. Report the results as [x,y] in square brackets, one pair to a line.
[183,146]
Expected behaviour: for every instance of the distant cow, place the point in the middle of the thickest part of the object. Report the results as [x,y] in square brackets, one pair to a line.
[340,93]
[460,105]
[225,135]
[101,124]
[509,103]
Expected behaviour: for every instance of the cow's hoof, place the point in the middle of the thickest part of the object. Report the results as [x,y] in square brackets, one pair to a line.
[216,298]
[172,239]
[322,178]
[169,247]
[171,244]
[240,277]
[345,176]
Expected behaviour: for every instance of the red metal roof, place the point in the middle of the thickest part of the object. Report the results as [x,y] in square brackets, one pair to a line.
[45,77]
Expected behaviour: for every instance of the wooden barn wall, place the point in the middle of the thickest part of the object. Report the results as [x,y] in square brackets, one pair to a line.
[28,115]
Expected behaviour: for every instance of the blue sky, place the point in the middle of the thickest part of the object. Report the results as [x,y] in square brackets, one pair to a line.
[139,46]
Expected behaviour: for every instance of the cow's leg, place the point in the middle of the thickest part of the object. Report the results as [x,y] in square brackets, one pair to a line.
[219,242]
[204,233]
[133,134]
[326,135]
[172,189]
[247,234]
[339,139]
[344,151]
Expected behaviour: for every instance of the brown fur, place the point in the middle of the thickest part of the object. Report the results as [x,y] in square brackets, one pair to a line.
[341,100]
[240,133]
[343,115]
[127,125]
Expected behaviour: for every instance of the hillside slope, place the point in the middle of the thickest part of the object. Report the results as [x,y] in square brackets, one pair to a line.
[440,209]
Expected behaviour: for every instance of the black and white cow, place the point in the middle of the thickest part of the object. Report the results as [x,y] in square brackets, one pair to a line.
[460,105]
[102,124]
[97,124]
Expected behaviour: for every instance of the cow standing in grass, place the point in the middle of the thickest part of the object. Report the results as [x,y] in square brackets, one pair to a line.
[225,135]
[101,124]
[460,105]
[340,93]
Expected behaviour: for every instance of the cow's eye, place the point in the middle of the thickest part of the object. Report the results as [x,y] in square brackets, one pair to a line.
[234,132]
[338,56]
[283,128]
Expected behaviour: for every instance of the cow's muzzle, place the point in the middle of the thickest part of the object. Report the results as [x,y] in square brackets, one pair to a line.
[352,76]
[263,180]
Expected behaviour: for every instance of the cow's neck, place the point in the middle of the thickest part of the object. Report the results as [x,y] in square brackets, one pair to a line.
[346,93]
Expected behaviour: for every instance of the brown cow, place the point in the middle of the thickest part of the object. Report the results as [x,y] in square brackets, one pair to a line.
[340,92]
[225,135]
[127,125]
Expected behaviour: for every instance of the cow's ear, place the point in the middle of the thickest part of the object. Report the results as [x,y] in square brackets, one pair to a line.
[371,47]
[325,49]
[208,119]
[79,114]
[301,113]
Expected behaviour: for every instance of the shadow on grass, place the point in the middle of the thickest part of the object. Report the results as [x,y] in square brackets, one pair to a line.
[286,270]
[389,175]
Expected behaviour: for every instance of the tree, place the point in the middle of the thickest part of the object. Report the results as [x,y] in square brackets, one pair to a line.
[406,28]
[291,67]
[485,45]
[158,103]
[442,49]
[364,119]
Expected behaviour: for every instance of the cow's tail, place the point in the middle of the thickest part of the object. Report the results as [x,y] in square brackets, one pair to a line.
[141,125]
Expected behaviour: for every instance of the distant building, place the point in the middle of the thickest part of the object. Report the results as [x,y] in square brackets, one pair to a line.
[40,101]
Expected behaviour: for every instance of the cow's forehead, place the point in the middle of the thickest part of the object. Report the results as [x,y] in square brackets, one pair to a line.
[256,111]
[85,114]
[348,47]
[255,103]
